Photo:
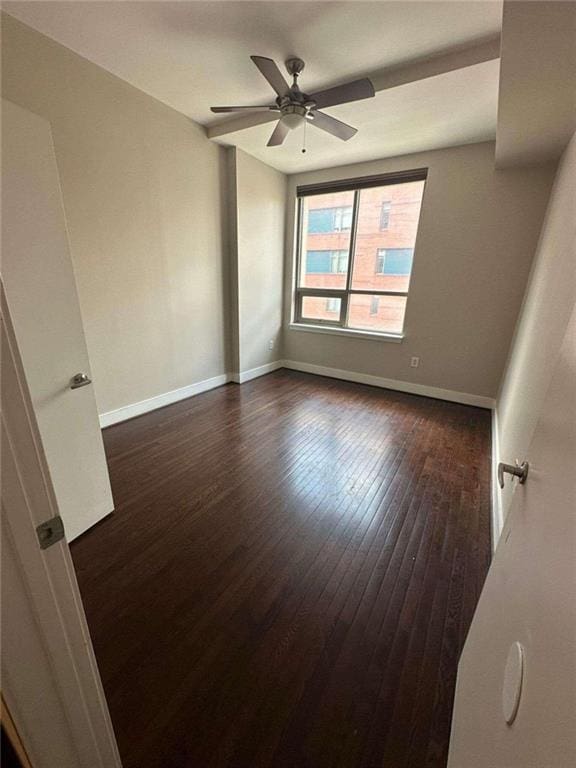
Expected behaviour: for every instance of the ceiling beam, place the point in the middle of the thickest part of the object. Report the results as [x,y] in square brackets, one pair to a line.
[439,64]
[384,79]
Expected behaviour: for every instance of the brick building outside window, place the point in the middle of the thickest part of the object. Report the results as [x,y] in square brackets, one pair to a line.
[383,252]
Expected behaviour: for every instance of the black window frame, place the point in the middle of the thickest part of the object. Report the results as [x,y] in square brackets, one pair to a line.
[344,185]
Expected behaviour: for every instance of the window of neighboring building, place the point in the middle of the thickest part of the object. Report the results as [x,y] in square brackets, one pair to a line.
[394,261]
[332,305]
[322,220]
[326,262]
[340,227]
[385,214]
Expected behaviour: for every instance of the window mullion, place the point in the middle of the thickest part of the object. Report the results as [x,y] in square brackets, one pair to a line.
[352,248]
[374,292]
[298,254]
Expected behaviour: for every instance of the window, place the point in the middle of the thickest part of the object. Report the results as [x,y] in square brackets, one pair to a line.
[342,225]
[329,219]
[385,214]
[394,261]
[326,262]
[332,305]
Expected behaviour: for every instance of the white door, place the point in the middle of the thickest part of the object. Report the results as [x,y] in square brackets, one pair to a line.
[50,680]
[529,598]
[41,293]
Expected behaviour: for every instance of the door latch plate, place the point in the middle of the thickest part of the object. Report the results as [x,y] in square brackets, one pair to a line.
[50,532]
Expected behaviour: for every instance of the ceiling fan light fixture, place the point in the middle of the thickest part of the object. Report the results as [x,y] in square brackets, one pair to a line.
[293,116]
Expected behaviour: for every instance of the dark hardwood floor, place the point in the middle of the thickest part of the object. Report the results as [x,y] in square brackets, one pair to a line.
[289,575]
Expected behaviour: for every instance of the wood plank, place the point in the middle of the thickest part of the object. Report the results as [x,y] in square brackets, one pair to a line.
[289,575]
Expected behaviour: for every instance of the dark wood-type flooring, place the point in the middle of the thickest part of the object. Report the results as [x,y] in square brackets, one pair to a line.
[289,575]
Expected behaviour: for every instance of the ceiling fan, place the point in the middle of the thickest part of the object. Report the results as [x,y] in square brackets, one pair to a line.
[296,107]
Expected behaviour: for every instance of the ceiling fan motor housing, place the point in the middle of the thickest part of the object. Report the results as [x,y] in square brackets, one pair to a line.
[297,97]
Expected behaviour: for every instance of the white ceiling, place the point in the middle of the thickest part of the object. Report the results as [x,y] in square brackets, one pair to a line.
[192,55]
[429,114]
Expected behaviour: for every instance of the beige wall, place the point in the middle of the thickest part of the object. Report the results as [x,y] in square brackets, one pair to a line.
[477,237]
[260,208]
[549,301]
[142,190]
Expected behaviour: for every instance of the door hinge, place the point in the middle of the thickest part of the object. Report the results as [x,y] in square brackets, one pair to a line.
[50,531]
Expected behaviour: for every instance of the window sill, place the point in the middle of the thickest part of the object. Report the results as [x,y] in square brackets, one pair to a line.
[396,338]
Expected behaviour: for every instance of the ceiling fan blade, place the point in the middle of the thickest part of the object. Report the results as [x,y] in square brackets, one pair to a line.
[271,72]
[271,108]
[331,125]
[342,94]
[278,135]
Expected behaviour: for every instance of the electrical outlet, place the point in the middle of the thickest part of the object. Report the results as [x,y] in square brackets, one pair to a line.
[271,344]
[414,362]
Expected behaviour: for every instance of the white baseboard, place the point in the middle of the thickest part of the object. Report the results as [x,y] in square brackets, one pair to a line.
[496,519]
[159,401]
[402,386]
[254,373]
